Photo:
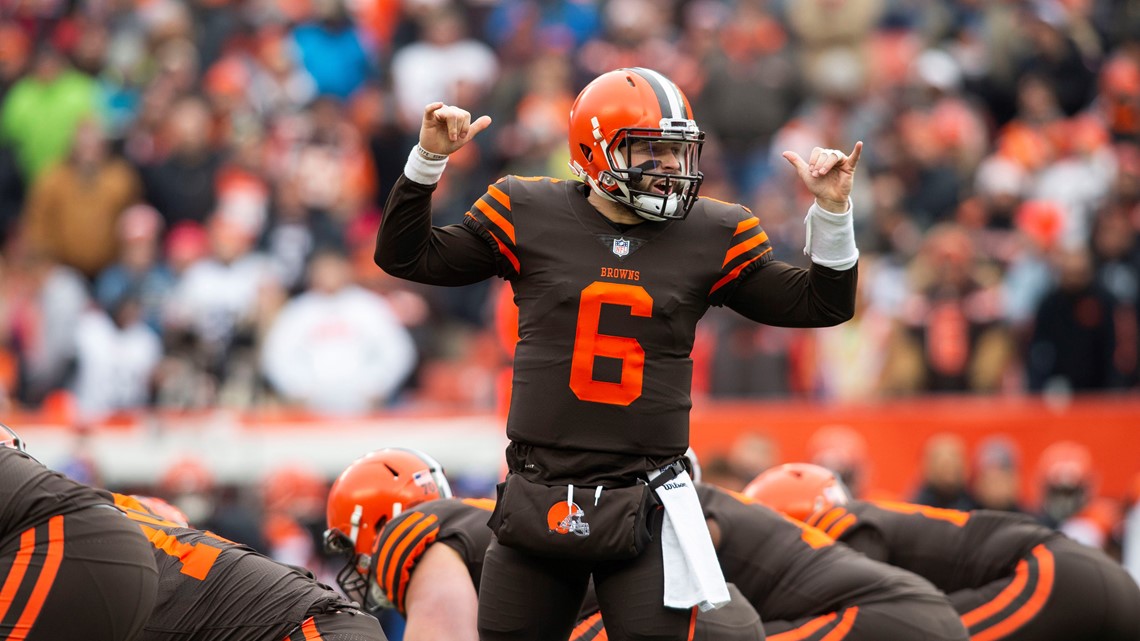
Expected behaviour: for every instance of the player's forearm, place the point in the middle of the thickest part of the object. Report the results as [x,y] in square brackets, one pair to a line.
[780,294]
[408,247]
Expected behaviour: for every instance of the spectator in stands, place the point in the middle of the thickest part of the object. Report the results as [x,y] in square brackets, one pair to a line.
[337,348]
[447,64]
[1074,336]
[39,115]
[73,207]
[140,267]
[215,314]
[843,450]
[944,474]
[332,51]
[996,480]
[117,354]
[950,337]
[42,304]
[181,183]
[1065,478]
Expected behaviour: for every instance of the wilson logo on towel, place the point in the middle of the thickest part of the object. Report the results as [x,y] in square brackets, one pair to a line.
[567,518]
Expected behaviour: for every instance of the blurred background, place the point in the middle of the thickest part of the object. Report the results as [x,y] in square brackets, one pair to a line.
[190,192]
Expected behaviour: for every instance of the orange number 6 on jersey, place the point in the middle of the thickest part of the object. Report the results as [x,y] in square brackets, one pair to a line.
[589,344]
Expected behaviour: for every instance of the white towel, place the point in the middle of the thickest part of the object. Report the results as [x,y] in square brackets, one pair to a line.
[692,572]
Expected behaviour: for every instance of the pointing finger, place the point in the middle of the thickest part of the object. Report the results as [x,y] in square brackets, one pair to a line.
[853,159]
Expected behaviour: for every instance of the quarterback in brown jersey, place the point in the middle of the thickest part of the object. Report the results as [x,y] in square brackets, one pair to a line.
[611,275]
[211,588]
[62,543]
[1009,578]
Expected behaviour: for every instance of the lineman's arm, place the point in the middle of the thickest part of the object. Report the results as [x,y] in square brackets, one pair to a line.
[440,602]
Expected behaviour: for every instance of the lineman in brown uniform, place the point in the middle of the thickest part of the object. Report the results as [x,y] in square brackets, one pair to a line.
[1008,577]
[61,544]
[610,283]
[806,588]
[803,585]
[448,598]
[212,589]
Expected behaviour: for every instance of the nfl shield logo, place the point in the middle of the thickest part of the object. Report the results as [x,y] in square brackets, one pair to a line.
[621,247]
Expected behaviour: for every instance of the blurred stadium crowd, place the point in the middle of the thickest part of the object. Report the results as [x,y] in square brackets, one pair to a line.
[189,190]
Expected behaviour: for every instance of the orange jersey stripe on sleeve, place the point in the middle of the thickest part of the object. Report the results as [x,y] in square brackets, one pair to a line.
[502,248]
[405,536]
[405,575]
[496,218]
[736,272]
[745,225]
[500,195]
[827,518]
[744,246]
[841,526]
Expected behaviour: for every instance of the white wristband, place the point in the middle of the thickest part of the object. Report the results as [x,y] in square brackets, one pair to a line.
[422,170]
[831,238]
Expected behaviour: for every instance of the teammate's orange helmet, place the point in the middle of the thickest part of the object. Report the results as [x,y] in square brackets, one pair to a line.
[798,489]
[374,489]
[155,506]
[9,438]
[637,105]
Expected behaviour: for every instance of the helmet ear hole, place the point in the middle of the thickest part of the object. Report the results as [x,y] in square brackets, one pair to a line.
[587,152]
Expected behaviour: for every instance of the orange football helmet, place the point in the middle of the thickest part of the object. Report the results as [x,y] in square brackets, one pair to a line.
[798,489]
[371,491]
[620,109]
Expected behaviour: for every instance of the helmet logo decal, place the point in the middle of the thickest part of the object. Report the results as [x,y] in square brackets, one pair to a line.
[567,518]
[621,247]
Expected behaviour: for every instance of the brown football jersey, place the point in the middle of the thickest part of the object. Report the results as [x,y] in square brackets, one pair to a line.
[789,571]
[460,524]
[607,313]
[954,550]
[212,588]
[31,493]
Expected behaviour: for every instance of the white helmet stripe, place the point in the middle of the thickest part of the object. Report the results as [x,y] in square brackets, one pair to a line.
[672,104]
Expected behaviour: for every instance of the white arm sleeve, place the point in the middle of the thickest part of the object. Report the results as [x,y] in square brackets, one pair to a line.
[423,171]
[831,238]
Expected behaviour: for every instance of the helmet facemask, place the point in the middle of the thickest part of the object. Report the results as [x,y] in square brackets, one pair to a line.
[407,477]
[654,171]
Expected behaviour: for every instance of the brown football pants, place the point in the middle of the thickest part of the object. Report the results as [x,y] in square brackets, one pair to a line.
[85,575]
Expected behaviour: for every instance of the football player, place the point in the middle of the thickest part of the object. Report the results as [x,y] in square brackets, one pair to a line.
[802,585]
[71,567]
[212,588]
[1007,576]
[611,276]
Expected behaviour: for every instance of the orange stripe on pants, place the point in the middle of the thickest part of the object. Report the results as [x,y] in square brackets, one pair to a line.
[309,629]
[844,626]
[44,582]
[692,625]
[805,630]
[1026,612]
[1003,598]
[17,571]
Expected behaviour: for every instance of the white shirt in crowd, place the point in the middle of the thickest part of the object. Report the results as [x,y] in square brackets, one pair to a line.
[114,365]
[339,353]
[213,296]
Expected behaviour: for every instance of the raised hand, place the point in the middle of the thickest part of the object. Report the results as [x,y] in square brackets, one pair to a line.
[445,128]
[828,175]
